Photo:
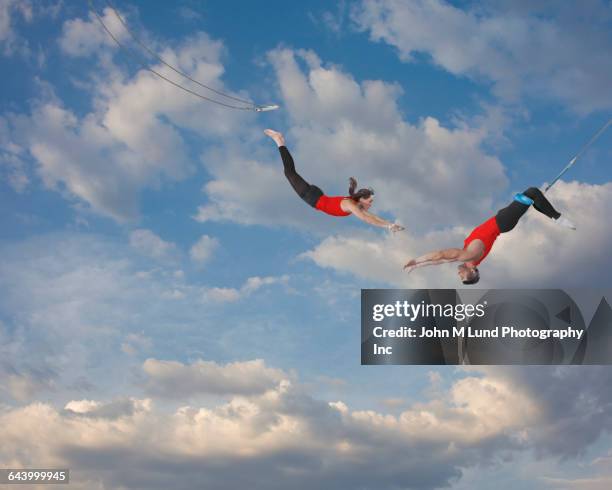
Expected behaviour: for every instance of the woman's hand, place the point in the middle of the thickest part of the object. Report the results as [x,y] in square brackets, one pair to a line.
[393,227]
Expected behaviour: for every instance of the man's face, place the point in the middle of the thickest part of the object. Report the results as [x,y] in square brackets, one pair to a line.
[466,273]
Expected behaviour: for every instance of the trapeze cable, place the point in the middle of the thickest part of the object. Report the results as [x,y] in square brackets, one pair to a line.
[148,68]
[582,150]
[161,60]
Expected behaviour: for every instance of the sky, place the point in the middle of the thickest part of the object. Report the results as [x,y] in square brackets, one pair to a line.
[172,315]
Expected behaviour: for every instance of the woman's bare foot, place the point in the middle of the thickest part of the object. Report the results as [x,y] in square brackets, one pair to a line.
[276,136]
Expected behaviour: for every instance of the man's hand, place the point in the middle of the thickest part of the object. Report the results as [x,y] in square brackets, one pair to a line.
[411,265]
[393,227]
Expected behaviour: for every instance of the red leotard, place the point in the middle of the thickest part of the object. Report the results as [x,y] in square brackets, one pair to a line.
[331,205]
[487,233]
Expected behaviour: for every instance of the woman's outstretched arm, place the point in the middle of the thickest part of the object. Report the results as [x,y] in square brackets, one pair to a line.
[370,218]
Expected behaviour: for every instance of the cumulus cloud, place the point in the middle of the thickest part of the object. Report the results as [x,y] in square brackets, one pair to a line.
[151,245]
[131,139]
[13,167]
[77,304]
[596,483]
[62,299]
[72,300]
[370,257]
[252,284]
[174,379]
[85,37]
[574,404]
[79,311]
[283,436]
[599,477]
[537,253]
[135,343]
[10,10]
[189,14]
[15,174]
[72,157]
[334,21]
[109,410]
[547,49]
[342,127]
[222,295]
[203,250]
[23,383]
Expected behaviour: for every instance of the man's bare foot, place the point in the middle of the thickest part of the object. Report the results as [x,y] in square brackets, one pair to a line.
[276,136]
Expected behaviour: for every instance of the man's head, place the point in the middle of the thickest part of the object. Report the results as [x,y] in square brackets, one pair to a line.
[468,274]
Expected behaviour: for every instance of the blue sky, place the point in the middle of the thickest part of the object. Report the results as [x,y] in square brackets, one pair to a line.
[160,281]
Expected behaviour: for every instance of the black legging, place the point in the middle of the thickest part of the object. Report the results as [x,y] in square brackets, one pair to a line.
[309,193]
[508,217]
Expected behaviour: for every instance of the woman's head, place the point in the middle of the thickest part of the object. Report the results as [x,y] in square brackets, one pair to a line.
[363,197]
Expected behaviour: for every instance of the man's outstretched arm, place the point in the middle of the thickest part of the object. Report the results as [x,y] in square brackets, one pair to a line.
[441,257]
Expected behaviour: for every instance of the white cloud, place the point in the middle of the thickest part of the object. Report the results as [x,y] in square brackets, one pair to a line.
[333,21]
[252,284]
[73,157]
[10,41]
[71,299]
[85,37]
[341,128]
[574,404]
[280,435]
[537,253]
[189,14]
[524,256]
[222,295]
[597,483]
[74,302]
[110,410]
[131,139]
[246,191]
[367,256]
[553,50]
[600,477]
[82,406]
[79,312]
[393,403]
[136,342]
[14,170]
[283,437]
[174,379]
[603,461]
[23,385]
[203,250]
[151,245]
[79,308]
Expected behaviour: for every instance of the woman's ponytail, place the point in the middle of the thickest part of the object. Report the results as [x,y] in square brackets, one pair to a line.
[352,186]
